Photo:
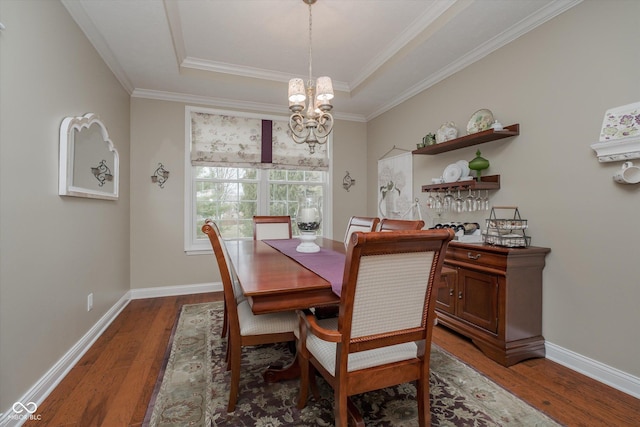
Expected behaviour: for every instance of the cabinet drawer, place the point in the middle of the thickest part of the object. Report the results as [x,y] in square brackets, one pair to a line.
[473,256]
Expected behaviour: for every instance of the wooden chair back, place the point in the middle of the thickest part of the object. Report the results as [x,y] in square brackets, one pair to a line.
[243,327]
[271,227]
[387,308]
[230,284]
[388,224]
[360,223]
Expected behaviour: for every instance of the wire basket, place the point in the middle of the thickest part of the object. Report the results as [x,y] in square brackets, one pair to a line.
[508,232]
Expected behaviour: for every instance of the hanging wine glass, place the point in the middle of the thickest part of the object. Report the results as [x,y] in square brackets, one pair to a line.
[486,200]
[459,206]
[431,201]
[470,202]
[439,205]
[479,202]
[448,200]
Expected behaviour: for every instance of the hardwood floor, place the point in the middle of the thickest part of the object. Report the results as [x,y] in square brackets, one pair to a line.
[112,384]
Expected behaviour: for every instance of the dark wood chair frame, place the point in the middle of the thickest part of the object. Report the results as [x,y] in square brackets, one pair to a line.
[360,222]
[388,224]
[345,383]
[235,341]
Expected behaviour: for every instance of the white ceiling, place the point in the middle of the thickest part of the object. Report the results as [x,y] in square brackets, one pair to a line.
[242,53]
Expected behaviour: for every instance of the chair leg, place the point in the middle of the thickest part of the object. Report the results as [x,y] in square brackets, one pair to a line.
[341,408]
[225,325]
[234,356]
[304,381]
[314,383]
[424,406]
[354,414]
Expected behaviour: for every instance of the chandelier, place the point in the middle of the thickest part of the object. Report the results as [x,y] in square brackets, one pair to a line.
[314,125]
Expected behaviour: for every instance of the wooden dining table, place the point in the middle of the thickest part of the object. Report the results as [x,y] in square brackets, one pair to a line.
[274,282]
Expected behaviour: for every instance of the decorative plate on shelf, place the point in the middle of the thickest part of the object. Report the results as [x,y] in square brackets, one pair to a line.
[452,173]
[464,167]
[447,132]
[480,120]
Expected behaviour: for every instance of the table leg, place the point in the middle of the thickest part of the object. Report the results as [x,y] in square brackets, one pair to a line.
[275,374]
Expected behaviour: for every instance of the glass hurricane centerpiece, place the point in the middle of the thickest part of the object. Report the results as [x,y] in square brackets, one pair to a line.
[308,217]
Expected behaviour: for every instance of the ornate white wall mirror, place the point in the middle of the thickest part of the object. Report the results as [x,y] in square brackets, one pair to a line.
[89,164]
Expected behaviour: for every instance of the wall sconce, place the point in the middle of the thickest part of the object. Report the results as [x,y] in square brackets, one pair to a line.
[160,176]
[102,173]
[347,181]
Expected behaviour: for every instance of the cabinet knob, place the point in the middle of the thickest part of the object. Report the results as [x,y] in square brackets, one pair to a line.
[450,292]
[471,256]
[460,295]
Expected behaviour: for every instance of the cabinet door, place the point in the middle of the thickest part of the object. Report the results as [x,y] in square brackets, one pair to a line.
[478,299]
[446,297]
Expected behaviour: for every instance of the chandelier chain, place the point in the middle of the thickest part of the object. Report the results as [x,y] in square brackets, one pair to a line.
[310,52]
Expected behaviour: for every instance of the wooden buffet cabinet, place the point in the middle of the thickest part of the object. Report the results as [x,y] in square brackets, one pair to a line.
[493,295]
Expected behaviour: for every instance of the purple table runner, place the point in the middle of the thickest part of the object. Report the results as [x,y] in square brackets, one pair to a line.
[327,264]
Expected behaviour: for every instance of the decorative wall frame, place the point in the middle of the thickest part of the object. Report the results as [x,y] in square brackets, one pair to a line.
[89,162]
[620,134]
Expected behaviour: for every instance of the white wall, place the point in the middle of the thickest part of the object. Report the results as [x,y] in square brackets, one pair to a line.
[157,215]
[54,250]
[556,81]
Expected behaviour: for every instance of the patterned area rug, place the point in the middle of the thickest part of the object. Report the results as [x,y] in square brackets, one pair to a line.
[193,389]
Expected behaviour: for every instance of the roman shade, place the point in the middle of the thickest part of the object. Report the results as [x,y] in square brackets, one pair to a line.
[239,141]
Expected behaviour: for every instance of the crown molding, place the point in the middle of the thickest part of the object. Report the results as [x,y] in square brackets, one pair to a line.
[230,103]
[88,27]
[549,12]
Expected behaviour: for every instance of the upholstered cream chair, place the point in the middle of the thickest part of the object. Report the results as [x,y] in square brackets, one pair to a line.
[382,336]
[360,223]
[271,227]
[244,327]
[387,224]
[264,227]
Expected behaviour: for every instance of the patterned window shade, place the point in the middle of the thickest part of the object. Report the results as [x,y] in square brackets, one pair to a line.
[289,155]
[221,140]
[225,140]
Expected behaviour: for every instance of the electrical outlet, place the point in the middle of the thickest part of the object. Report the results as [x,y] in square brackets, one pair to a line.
[90,302]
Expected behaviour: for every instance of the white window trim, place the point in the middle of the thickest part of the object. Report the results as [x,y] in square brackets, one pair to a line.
[189,203]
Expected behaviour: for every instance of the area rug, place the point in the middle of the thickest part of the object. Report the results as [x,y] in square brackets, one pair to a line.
[193,389]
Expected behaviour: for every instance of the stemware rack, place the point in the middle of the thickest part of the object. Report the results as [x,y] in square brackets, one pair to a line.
[489,182]
[506,231]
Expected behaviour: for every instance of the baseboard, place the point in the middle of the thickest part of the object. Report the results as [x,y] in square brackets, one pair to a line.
[613,377]
[168,291]
[39,392]
[61,368]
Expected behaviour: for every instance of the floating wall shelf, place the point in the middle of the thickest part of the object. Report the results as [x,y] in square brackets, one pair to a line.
[470,140]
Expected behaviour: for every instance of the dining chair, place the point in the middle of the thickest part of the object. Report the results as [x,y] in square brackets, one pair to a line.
[271,227]
[382,336]
[360,223]
[388,224]
[244,327]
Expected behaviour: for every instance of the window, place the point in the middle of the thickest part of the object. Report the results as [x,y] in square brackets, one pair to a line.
[230,193]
